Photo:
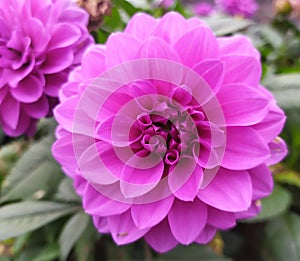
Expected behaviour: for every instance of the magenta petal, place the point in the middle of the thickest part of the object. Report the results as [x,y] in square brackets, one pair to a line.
[229,191]
[182,173]
[206,235]
[57,60]
[37,109]
[270,127]
[101,223]
[190,188]
[241,69]
[237,44]
[92,166]
[170,28]
[123,229]
[252,211]
[197,45]
[30,89]
[121,48]
[10,111]
[245,149]
[64,35]
[94,54]
[138,24]
[212,71]
[54,83]
[160,237]
[262,181]
[278,151]
[95,203]
[150,214]
[220,219]
[155,47]
[136,180]
[236,99]
[187,219]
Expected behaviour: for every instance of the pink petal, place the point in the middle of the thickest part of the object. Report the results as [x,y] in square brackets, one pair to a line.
[137,180]
[64,34]
[237,44]
[270,127]
[278,150]
[206,235]
[252,211]
[94,54]
[242,105]
[150,214]
[220,219]
[123,229]
[101,223]
[262,181]
[140,25]
[121,48]
[212,71]
[94,203]
[197,45]
[160,237]
[241,69]
[30,89]
[10,111]
[229,191]
[155,47]
[245,149]
[190,188]
[181,174]
[57,60]
[170,28]
[187,219]
[37,109]
[92,166]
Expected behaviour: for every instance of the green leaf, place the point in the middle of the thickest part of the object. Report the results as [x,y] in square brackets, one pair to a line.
[34,175]
[66,191]
[71,232]
[286,89]
[19,218]
[224,25]
[274,205]
[46,253]
[284,175]
[283,238]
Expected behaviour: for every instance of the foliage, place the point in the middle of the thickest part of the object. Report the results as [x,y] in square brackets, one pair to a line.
[41,216]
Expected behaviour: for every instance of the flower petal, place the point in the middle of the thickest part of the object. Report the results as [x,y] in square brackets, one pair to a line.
[10,111]
[37,109]
[206,235]
[278,150]
[220,219]
[229,191]
[262,181]
[160,237]
[123,229]
[197,45]
[242,105]
[150,214]
[245,149]
[94,203]
[137,24]
[121,48]
[187,219]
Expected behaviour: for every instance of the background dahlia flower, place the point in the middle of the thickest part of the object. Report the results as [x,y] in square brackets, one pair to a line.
[167,133]
[40,42]
[244,8]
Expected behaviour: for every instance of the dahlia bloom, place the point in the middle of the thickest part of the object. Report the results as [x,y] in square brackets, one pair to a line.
[167,133]
[203,8]
[40,42]
[244,8]
[167,3]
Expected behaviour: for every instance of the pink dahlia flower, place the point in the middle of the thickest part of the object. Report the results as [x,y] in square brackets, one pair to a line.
[245,8]
[40,41]
[203,8]
[167,133]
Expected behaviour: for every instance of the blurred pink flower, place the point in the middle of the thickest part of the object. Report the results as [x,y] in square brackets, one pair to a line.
[167,3]
[167,133]
[203,8]
[40,41]
[245,8]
